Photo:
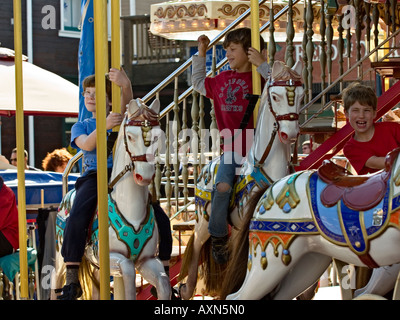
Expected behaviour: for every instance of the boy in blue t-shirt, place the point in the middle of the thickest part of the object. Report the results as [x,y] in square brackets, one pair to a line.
[83,136]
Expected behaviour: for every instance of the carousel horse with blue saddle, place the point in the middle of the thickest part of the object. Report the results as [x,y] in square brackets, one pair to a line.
[302,221]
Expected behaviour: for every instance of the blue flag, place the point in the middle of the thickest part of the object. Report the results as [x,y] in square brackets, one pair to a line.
[86,53]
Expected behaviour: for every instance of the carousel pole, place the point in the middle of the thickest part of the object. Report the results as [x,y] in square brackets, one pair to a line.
[19,122]
[255,43]
[115,55]
[101,66]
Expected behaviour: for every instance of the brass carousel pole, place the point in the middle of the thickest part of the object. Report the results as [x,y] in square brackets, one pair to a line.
[255,43]
[19,122]
[101,66]
[115,54]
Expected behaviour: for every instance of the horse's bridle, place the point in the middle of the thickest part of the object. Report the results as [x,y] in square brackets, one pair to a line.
[290,85]
[146,126]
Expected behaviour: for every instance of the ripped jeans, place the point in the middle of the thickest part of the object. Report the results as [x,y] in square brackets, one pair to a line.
[218,224]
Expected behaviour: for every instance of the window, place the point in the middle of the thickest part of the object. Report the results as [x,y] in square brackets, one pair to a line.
[71,14]
[71,18]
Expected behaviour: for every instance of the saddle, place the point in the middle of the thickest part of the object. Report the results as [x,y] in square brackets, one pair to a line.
[359,193]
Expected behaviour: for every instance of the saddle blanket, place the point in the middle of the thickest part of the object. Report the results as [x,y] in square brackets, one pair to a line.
[345,226]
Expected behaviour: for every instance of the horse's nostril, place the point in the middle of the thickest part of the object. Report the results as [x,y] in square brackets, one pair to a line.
[138,177]
[284,136]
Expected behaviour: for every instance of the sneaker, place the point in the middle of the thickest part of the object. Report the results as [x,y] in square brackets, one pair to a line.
[71,291]
[219,249]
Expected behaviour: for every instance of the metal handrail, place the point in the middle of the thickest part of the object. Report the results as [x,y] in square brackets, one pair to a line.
[356,65]
[213,42]
[67,171]
[187,64]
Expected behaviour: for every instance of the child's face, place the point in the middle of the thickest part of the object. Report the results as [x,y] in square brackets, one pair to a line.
[361,118]
[90,99]
[237,57]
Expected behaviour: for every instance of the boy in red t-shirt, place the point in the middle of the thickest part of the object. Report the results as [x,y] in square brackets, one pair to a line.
[366,151]
[228,90]
[367,148]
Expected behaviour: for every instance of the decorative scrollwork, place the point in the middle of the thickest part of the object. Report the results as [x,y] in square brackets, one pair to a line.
[229,10]
[181,11]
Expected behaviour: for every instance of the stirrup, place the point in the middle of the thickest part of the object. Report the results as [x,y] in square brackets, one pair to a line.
[71,291]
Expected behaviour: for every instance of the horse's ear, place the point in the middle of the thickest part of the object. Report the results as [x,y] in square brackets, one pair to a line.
[277,68]
[132,107]
[298,67]
[155,106]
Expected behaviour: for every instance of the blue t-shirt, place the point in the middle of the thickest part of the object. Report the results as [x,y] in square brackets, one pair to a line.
[87,126]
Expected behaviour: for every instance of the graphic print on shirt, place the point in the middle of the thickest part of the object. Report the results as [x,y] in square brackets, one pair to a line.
[230,91]
[231,95]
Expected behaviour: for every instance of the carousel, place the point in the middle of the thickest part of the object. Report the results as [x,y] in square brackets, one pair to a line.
[298,228]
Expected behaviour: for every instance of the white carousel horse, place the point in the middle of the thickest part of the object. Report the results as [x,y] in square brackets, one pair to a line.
[268,159]
[133,232]
[306,218]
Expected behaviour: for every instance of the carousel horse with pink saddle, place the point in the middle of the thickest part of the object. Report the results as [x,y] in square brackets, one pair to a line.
[302,221]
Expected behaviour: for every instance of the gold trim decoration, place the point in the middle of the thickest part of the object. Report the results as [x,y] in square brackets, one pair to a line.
[288,194]
[181,11]
[262,239]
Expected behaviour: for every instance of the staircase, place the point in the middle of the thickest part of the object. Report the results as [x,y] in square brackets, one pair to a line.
[337,141]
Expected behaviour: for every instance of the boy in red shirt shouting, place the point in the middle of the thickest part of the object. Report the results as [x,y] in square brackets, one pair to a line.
[367,148]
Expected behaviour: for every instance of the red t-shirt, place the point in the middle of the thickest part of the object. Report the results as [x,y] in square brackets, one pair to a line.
[8,215]
[228,90]
[386,138]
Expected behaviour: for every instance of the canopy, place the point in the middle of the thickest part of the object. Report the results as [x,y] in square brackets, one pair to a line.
[45,93]
[35,182]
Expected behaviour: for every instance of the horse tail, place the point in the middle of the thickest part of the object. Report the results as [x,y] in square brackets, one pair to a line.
[88,278]
[211,272]
[187,258]
[239,250]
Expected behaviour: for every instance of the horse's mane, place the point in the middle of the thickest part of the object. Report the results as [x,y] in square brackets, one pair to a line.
[287,73]
[145,113]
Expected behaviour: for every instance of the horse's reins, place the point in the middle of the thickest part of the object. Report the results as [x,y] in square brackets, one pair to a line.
[288,116]
[133,122]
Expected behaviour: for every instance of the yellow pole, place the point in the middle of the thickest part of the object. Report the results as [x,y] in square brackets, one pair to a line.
[19,123]
[255,43]
[115,54]
[101,67]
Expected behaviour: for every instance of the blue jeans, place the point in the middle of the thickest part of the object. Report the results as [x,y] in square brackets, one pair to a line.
[218,224]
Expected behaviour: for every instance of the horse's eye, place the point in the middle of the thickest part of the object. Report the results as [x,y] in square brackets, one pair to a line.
[275,98]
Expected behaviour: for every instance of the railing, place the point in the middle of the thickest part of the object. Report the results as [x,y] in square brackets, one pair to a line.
[140,46]
[186,100]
